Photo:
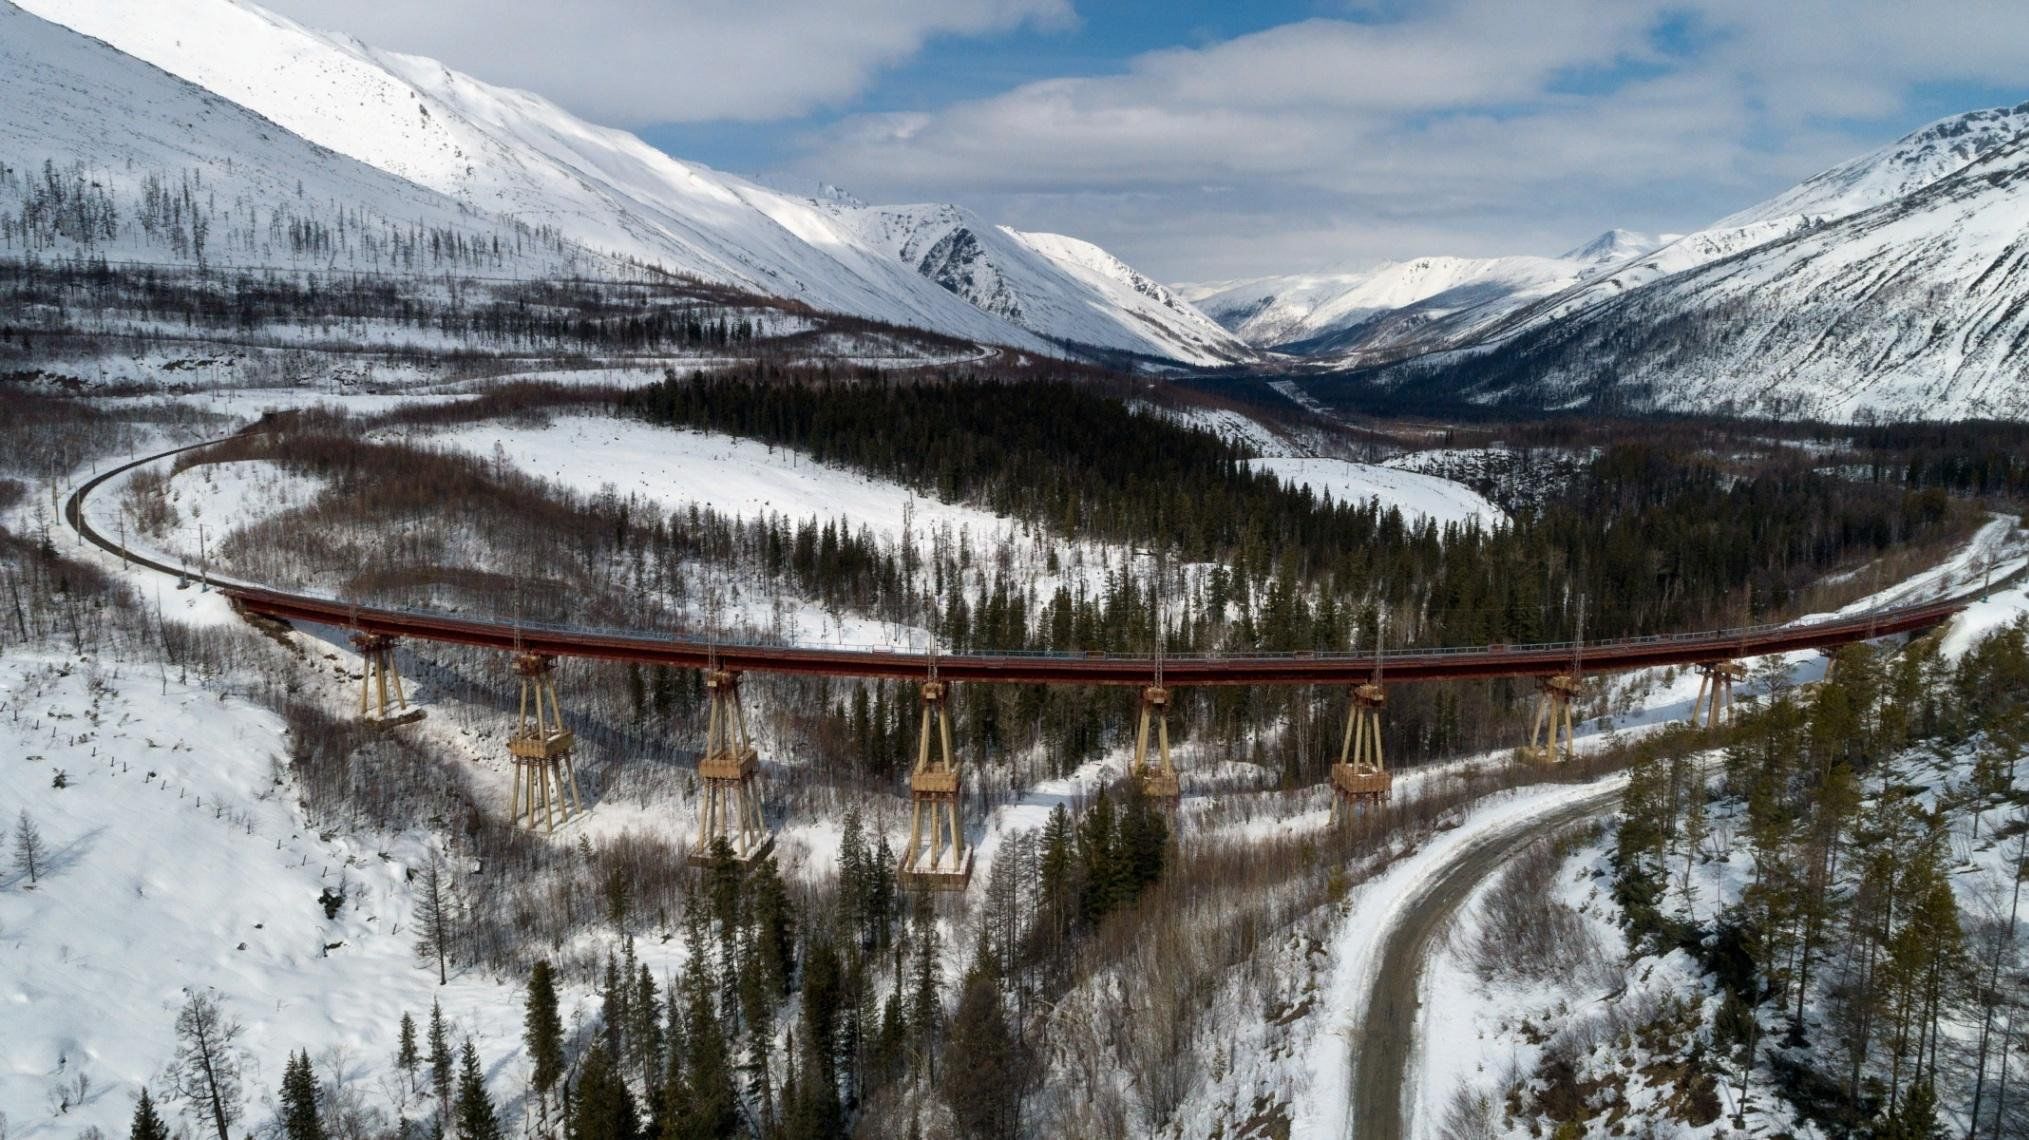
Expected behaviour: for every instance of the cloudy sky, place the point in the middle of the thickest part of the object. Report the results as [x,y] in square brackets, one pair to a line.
[1207,140]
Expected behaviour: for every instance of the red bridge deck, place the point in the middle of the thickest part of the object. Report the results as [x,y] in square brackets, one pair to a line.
[1447,664]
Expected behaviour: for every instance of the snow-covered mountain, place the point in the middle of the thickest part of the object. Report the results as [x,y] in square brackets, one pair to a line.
[1907,165]
[103,155]
[1058,286]
[1420,305]
[1915,308]
[514,154]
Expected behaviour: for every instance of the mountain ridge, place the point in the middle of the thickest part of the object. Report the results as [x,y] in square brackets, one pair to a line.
[515,154]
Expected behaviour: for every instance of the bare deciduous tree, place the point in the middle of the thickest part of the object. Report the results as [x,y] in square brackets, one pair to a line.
[30,852]
[206,1072]
[433,917]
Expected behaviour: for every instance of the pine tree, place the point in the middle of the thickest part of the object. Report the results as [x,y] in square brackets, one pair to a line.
[1057,869]
[474,1108]
[543,1033]
[644,1033]
[406,1057]
[613,1008]
[147,1124]
[603,1109]
[926,1004]
[440,1063]
[299,1100]
[984,1070]
[711,1109]
[1098,855]
[822,998]
[774,926]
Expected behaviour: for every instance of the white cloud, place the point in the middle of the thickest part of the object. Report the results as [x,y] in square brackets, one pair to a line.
[634,62]
[1477,124]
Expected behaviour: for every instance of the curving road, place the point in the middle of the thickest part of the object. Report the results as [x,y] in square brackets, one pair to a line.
[1386,1042]
[1408,665]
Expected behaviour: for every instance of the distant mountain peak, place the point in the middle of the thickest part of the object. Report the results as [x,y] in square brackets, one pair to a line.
[1617,245]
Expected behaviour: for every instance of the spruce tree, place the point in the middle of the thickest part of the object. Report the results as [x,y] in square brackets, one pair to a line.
[926,1005]
[603,1109]
[644,1031]
[299,1100]
[711,1109]
[774,926]
[613,1007]
[984,1071]
[474,1108]
[147,1123]
[440,1062]
[407,1059]
[543,1033]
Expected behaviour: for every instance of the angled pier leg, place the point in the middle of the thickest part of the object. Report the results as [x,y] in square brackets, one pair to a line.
[1158,778]
[731,807]
[1552,732]
[381,698]
[541,748]
[937,857]
[1715,692]
[1361,775]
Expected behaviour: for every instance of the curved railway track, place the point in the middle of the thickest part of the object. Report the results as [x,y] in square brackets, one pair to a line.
[1408,665]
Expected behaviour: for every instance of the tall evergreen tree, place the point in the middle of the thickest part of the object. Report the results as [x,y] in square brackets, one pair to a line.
[440,1062]
[147,1123]
[603,1108]
[299,1100]
[407,1059]
[543,1033]
[474,1108]
[984,1073]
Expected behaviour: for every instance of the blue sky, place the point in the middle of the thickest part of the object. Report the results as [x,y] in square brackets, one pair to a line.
[1203,140]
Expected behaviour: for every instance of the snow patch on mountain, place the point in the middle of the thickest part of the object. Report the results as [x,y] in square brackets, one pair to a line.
[102,155]
[506,152]
[1423,304]
[1416,495]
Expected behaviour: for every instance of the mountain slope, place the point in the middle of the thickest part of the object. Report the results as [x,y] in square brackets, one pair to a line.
[111,157]
[1400,307]
[1917,308]
[1060,287]
[1910,163]
[513,153]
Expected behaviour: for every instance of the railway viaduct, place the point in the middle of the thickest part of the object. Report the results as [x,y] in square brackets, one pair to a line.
[545,787]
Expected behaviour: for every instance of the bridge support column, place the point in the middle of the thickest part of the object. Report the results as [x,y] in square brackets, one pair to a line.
[937,858]
[1158,779]
[1715,692]
[381,698]
[731,807]
[545,781]
[1553,717]
[1361,774]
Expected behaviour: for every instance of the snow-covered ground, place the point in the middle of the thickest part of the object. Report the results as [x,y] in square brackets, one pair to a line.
[179,862]
[1416,495]
[1485,1034]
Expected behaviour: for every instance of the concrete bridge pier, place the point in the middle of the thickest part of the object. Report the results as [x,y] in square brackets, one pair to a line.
[1552,738]
[936,857]
[1157,775]
[545,780]
[1361,775]
[381,699]
[731,804]
[1715,692]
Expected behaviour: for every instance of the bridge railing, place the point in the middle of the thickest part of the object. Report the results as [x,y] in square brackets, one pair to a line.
[1541,648]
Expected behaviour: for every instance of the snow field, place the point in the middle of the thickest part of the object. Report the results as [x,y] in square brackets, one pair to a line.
[180,861]
[1416,495]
